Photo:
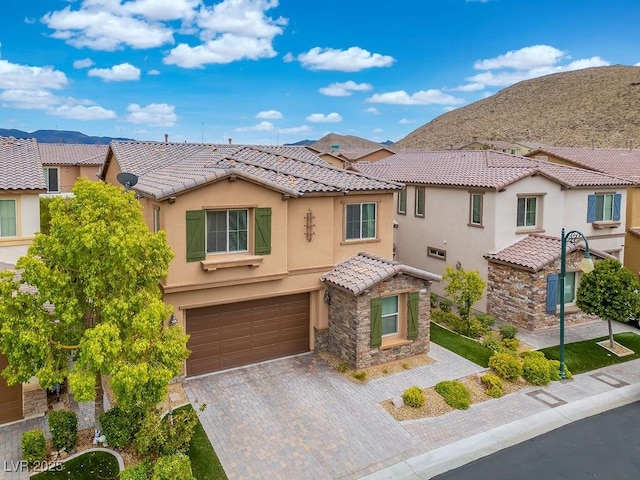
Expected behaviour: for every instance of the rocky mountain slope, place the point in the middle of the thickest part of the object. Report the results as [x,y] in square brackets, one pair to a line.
[594,107]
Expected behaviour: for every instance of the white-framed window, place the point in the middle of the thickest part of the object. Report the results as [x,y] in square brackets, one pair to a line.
[402,202]
[437,253]
[360,221]
[475,209]
[51,177]
[604,207]
[527,212]
[390,315]
[227,231]
[8,218]
[420,202]
[570,288]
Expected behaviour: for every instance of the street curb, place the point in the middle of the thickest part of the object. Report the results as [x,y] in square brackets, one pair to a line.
[454,455]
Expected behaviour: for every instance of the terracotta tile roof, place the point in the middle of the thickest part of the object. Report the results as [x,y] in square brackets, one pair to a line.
[357,153]
[365,270]
[20,167]
[72,154]
[534,252]
[166,169]
[480,169]
[621,162]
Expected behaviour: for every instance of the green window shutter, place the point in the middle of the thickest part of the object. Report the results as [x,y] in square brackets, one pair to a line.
[376,322]
[195,235]
[263,231]
[413,315]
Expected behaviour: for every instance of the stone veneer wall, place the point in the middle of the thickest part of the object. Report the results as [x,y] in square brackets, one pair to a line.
[34,400]
[520,296]
[350,325]
[320,339]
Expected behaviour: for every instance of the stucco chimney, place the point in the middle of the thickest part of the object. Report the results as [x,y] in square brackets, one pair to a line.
[230,140]
[166,138]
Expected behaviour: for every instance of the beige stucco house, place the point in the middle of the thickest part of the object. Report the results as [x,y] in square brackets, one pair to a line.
[346,157]
[460,206]
[64,163]
[621,162]
[261,236]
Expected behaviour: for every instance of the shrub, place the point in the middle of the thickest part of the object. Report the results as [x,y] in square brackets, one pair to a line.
[533,353]
[493,385]
[445,305]
[179,428]
[120,426]
[473,328]
[64,429]
[506,365]
[405,365]
[433,300]
[151,436]
[455,393]
[535,370]
[554,371]
[360,375]
[34,446]
[486,320]
[508,330]
[173,467]
[342,368]
[448,319]
[142,471]
[511,343]
[414,397]
[492,341]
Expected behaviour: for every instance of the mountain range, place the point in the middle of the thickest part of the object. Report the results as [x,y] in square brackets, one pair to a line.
[58,136]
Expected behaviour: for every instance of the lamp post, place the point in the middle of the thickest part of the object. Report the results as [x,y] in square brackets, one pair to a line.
[586,265]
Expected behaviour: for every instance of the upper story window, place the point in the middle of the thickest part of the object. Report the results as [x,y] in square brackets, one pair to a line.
[227,231]
[419,211]
[604,207]
[360,220]
[475,209]
[8,220]
[527,212]
[402,202]
[51,178]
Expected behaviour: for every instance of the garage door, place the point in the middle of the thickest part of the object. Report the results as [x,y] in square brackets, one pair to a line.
[226,336]
[10,398]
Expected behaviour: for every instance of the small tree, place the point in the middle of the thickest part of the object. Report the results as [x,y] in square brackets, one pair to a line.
[610,291]
[464,287]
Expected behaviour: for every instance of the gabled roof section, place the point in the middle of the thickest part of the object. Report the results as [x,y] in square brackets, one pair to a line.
[354,154]
[20,166]
[72,154]
[535,252]
[364,271]
[620,162]
[479,169]
[167,169]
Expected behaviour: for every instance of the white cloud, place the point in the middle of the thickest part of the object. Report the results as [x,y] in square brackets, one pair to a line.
[344,89]
[373,110]
[260,127]
[587,63]
[288,58]
[163,10]
[244,18]
[353,59]
[404,121]
[84,63]
[14,76]
[637,64]
[422,97]
[378,130]
[153,72]
[118,73]
[332,117]
[225,49]
[300,129]
[36,99]
[270,114]
[526,58]
[154,114]
[82,112]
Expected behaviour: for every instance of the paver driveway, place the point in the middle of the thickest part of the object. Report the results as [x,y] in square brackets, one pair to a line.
[297,418]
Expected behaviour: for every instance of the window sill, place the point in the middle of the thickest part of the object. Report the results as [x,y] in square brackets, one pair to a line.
[475,225]
[231,261]
[395,343]
[601,225]
[569,309]
[357,240]
[526,231]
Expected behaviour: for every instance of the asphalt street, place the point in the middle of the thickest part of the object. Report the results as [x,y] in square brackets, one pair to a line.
[605,446]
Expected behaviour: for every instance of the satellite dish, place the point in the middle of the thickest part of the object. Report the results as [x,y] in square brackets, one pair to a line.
[127,179]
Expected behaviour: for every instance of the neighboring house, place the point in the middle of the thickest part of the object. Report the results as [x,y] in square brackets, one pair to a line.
[621,162]
[497,145]
[21,182]
[255,231]
[459,206]
[64,163]
[344,158]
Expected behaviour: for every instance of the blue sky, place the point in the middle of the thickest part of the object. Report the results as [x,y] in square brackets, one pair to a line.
[279,71]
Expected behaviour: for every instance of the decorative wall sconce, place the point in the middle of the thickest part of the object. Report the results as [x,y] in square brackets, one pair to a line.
[327,297]
[458,265]
[309,226]
[173,320]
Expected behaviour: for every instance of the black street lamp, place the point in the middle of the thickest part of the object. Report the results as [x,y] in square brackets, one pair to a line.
[586,265]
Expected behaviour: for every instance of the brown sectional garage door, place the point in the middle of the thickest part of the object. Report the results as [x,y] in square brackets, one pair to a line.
[10,398]
[231,335]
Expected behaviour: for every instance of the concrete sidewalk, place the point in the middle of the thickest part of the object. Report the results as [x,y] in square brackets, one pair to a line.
[461,437]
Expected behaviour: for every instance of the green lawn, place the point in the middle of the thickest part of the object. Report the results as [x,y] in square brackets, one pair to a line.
[87,466]
[204,461]
[585,356]
[463,346]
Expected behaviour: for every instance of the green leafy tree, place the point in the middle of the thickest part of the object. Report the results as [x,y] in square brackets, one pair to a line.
[610,291]
[89,291]
[464,287]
